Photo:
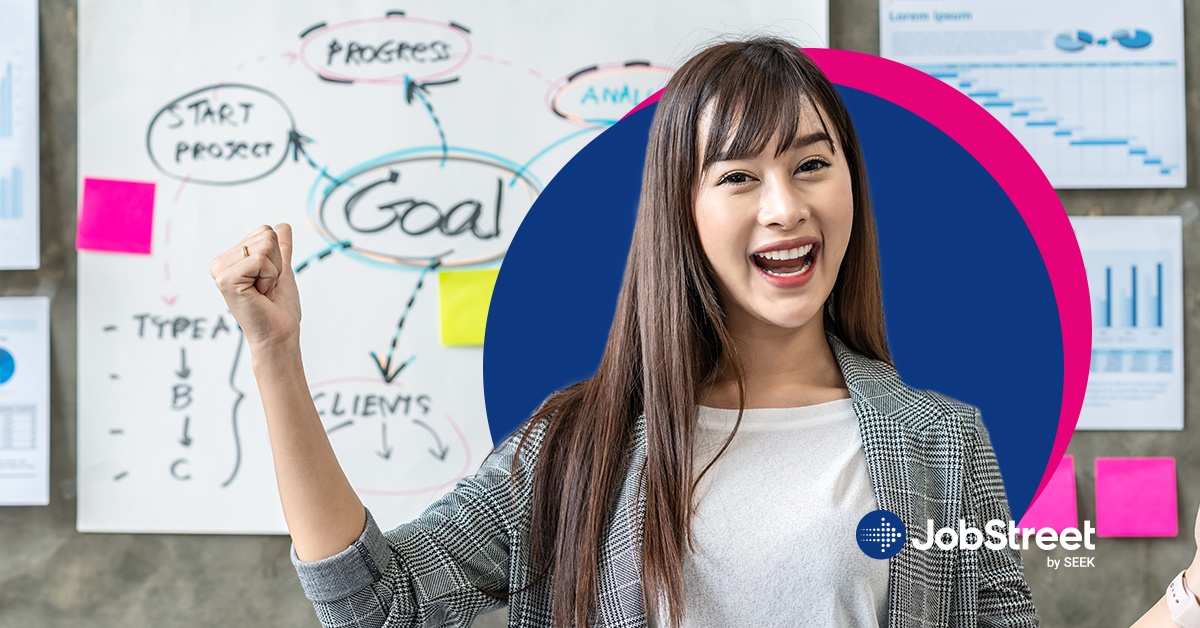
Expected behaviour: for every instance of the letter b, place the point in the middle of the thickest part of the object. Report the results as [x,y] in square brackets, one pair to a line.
[182,396]
[975,535]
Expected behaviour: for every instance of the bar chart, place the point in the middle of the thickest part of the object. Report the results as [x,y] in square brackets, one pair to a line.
[1087,123]
[11,194]
[1149,302]
[1131,315]
[6,100]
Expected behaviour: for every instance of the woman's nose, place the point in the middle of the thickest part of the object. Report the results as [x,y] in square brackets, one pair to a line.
[782,205]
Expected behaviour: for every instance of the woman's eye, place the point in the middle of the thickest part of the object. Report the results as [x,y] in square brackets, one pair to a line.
[734,178]
[813,165]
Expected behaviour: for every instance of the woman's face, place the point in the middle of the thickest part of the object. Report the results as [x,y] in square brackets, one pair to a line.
[775,228]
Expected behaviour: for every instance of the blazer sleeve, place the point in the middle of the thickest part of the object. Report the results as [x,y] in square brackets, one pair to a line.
[436,570]
[1004,598]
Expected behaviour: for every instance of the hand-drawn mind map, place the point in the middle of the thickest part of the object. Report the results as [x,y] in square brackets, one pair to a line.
[169,411]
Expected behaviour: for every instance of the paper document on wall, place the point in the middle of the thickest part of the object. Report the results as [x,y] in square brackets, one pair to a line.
[1092,88]
[19,135]
[1135,275]
[24,401]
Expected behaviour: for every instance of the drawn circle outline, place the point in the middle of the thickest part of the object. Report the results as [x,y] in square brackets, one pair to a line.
[190,179]
[395,78]
[426,153]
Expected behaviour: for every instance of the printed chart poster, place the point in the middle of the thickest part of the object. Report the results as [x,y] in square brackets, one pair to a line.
[19,243]
[24,401]
[404,143]
[1092,88]
[1134,269]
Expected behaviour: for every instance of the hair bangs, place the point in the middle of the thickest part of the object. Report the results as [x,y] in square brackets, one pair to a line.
[764,101]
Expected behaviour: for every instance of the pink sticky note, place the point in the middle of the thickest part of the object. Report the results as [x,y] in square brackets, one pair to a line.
[1055,507]
[1136,497]
[116,216]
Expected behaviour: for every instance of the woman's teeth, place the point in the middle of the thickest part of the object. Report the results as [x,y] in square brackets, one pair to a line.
[789,254]
[785,263]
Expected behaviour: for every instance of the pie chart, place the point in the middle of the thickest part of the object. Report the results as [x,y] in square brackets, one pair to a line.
[1073,41]
[1133,38]
[7,366]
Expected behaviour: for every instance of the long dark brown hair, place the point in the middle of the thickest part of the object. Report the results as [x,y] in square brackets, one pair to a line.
[669,333]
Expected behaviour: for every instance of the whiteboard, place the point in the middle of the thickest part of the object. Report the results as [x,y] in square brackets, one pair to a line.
[388,134]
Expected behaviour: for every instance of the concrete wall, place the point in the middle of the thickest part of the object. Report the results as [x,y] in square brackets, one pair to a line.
[52,576]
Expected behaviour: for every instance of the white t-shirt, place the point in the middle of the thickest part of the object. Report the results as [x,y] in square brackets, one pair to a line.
[775,522]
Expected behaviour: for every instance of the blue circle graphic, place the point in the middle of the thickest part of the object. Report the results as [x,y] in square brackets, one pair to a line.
[970,309]
[881,534]
[7,366]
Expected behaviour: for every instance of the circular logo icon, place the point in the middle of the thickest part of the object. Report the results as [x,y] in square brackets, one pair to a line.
[7,366]
[881,534]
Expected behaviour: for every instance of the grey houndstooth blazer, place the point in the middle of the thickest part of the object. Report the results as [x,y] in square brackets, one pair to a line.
[928,456]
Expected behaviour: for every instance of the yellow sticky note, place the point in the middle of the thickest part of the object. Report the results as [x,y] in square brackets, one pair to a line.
[463,298]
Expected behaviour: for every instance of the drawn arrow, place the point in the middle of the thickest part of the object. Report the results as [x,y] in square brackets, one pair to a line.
[184,372]
[386,454]
[320,255]
[442,450]
[411,88]
[296,142]
[387,368]
[186,441]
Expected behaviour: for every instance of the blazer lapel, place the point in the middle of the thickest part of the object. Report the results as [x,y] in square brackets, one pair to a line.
[876,392]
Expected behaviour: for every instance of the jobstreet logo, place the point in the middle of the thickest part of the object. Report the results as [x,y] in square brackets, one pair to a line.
[881,534]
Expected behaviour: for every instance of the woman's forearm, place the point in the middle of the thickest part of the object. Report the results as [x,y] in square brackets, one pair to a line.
[1157,617]
[323,513]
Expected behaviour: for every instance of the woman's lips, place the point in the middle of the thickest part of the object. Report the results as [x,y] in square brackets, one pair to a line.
[786,245]
[787,268]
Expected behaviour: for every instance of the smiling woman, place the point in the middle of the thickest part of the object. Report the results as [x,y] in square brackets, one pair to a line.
[744,418]
[772,223]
